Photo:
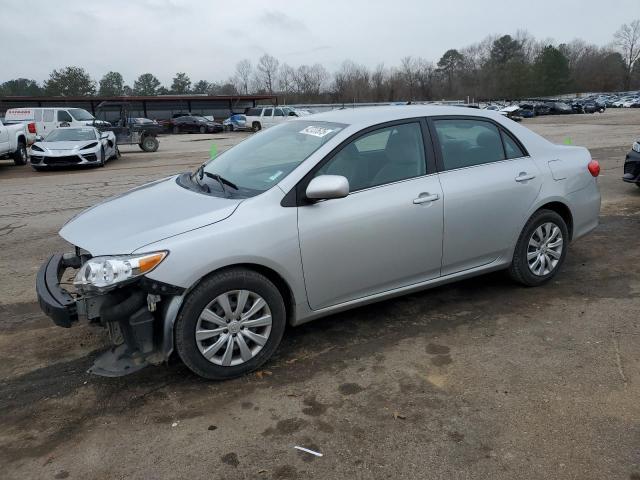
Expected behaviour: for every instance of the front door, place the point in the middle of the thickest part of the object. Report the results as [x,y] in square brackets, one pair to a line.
[489,185]
[387,233]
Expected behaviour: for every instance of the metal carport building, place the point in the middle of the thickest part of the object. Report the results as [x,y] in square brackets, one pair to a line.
[155,107]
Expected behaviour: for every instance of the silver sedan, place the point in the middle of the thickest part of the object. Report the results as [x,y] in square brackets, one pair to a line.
[315,216]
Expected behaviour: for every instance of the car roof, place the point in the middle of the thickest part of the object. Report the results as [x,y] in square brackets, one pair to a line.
[363,116]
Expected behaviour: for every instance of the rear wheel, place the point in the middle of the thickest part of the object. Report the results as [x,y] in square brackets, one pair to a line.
[203,129]
[230,324]
[176,129]
[541,249]
[20,156]
[149,144]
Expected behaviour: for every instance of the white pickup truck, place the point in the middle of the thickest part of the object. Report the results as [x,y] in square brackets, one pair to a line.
[13,142]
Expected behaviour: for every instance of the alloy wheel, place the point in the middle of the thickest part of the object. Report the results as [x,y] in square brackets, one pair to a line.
[544,249]
[233,328]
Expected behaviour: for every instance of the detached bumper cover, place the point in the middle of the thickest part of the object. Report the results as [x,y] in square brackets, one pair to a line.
[632,167]
[54,300]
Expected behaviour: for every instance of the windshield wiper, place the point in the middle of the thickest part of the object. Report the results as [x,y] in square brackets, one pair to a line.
[221,180]
[200,174]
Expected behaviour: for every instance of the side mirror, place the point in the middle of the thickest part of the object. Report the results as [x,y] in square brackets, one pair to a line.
[326,187]
[104,136]
[293,114]
[39,138]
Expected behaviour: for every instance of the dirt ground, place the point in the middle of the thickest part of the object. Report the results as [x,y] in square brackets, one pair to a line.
[479,379]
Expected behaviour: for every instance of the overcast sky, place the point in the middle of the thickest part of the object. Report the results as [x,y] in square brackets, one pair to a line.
[205,38]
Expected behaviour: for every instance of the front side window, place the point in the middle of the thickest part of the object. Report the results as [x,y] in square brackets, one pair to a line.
[64,116]
[383,156]
[465,143]
[254,112]
[278,113]
[268,112]
[261,161]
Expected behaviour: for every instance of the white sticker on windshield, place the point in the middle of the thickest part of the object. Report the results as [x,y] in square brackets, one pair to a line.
[316,131]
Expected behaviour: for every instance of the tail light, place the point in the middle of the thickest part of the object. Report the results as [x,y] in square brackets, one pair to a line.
[594,168]
[32,127]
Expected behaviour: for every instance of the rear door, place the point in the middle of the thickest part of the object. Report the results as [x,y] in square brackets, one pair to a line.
[48,121]
[267,117]
[489,184]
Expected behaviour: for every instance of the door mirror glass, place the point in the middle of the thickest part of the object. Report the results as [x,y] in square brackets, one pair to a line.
[39,138]
[325,187]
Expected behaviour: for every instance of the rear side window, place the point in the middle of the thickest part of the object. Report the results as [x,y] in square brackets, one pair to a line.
[511,148]
[254,112]
[37,114]
[64,116]
[465,143]
[268,112]
[278,113]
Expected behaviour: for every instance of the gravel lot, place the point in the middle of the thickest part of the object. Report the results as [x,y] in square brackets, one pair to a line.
[480,379]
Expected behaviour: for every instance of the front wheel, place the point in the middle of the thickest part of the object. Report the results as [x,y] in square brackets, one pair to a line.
[256,127]
[149,144]
[20,156]
[203,129]
[230,324]
[541,249]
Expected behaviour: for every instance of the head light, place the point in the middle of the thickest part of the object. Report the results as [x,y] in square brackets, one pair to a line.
[105,273]
[636,146]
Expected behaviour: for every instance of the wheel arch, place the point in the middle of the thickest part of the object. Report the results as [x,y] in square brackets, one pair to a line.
[174,306]
[561,209]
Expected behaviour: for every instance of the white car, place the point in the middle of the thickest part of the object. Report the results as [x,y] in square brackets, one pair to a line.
[74,146]
[258,118]
[13,143]
[42,121]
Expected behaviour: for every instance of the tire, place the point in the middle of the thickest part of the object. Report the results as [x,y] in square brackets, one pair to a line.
[256,127]
[149,144]
[520,269]
[638,185]
[205,295]
[203,129]
[102,160]
[176,129]
[231,128]
[20,156]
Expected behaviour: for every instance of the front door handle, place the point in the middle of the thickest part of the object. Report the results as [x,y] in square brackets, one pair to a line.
[524,176]
[426,198]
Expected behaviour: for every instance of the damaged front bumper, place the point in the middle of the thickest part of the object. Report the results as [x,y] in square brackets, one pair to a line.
[139,316]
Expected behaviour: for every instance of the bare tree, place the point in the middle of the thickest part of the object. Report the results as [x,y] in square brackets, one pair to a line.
[408,68]
[242,76]
[627,39]
[286,80]
[267,71]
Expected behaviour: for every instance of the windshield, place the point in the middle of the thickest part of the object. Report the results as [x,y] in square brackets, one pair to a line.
[80,114]
[261,161]
[71,135]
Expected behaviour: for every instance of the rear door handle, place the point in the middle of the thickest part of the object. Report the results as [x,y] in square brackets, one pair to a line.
[426,198]
[524,176]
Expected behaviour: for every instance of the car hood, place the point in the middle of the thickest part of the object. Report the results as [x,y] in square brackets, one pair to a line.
[144,215]
[65,145]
